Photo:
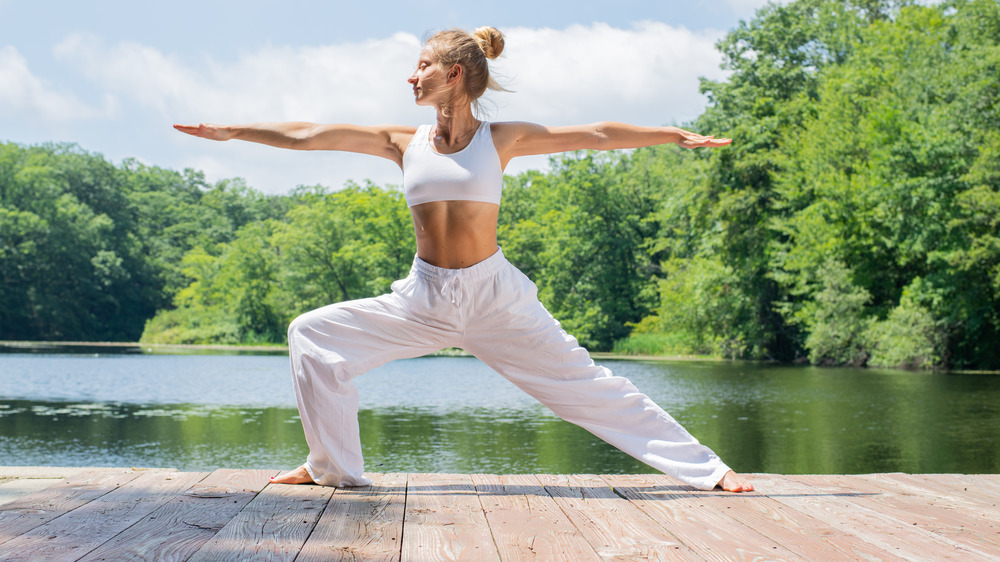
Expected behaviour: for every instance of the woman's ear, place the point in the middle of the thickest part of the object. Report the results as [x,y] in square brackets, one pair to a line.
[455,73]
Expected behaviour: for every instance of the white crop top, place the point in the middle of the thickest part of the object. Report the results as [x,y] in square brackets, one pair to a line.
[471,174]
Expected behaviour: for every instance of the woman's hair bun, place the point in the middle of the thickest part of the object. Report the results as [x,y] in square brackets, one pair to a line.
[490,40]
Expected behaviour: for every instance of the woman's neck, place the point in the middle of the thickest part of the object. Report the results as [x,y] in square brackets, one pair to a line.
[455,126]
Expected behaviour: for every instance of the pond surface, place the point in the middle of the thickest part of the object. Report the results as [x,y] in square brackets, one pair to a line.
[454,414]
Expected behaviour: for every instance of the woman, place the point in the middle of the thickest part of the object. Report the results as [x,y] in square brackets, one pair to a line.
[461,292]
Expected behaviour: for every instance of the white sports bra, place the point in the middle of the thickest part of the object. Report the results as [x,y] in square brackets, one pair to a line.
[471,174]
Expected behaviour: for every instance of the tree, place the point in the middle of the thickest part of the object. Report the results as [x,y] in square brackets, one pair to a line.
[879,178]
[580,232]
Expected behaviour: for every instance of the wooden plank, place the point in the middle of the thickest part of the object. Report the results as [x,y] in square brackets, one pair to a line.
[526,522]
[10,490]
[46,471]
[31,511]
[76,533]
[843,511]
[616,529]
[987,484]
[937,485]
[698,518]
[273,526]
[444,520]
[929,512]
[798,531]
[938,490]
[363,523]
[178,529]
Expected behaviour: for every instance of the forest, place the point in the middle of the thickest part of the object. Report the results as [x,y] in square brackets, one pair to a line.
[854,220]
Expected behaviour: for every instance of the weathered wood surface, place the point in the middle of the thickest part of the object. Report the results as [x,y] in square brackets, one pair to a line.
[128,514]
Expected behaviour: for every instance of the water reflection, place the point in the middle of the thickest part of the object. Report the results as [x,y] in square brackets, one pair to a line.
[455,415]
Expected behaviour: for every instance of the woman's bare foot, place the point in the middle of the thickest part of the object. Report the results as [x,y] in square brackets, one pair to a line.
[733,482]
[298,476]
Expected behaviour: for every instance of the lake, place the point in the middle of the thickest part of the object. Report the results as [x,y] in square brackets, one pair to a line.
[454,414]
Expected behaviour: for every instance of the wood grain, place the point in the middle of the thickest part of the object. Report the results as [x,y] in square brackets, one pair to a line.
[364,523]
[845,511]
[699,518]
[528,523]
[273,526]
[85,528]
[616,529]
[444,520]
[798,531]
[178,529]
[27,512]
[11,490]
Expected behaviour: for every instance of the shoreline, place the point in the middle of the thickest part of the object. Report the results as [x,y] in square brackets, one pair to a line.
[273,349]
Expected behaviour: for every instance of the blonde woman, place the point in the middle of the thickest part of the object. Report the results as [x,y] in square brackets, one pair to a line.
[461,291]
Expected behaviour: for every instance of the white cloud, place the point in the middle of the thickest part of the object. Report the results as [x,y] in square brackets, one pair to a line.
[22,91]
[646,74]
[360,80]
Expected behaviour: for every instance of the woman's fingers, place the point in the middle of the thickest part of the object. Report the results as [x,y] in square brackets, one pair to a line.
[205,131]
[700,141]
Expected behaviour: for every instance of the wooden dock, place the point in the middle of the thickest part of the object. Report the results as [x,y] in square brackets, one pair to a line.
[130,514]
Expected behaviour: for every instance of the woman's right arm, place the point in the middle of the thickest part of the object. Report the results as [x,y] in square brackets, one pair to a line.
[387,141]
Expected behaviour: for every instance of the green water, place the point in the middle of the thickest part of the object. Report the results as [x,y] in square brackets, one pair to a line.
[455,415]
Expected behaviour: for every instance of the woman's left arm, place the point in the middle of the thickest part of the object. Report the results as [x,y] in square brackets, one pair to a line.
[515,139]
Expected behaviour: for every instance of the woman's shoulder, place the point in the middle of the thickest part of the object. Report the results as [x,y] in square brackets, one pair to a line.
[512,125]
[508,132]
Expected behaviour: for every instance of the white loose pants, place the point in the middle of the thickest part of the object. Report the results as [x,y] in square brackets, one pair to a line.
[492,311]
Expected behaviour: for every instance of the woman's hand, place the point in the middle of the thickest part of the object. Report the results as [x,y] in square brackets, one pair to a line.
[687,139]
[206,131]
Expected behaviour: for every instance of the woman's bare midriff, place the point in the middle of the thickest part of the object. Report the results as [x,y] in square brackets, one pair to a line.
[455,234]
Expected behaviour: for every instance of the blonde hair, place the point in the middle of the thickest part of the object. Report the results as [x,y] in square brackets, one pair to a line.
[471,51]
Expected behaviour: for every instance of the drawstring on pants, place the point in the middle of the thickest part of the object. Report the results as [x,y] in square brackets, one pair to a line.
[452,289]
[454,281]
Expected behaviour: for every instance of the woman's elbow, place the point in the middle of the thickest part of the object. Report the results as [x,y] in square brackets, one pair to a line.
[599,136]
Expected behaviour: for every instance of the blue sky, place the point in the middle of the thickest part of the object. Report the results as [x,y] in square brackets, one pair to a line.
[112,76]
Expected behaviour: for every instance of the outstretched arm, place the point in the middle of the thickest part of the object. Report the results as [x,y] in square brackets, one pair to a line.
[524,139]
[387,141]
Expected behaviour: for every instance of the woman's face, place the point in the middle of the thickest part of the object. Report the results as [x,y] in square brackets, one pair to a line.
[429,80]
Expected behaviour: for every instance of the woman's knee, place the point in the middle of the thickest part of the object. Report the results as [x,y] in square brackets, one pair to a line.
[297,327]
[306,325]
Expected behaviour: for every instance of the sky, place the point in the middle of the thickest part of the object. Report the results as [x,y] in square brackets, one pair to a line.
[112,76]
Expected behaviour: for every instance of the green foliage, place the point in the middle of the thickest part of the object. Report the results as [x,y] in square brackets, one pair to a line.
[856,210]
[579,232]
[910,338]
[69,265]
[326,248]
[651,343]
[835,319]
[231,298]
[702,307]
[90,251]
[879,178]
[345,245]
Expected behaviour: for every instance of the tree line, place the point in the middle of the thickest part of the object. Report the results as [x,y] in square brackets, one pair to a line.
[854,219]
